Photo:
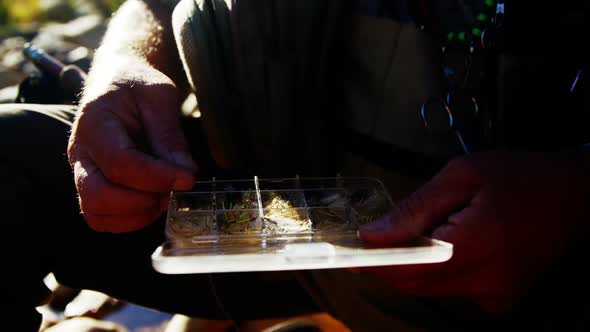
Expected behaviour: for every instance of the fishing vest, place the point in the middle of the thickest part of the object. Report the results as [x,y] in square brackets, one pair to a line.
[306,87]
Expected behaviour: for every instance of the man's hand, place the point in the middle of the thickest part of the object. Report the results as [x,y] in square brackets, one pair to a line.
[509,217]
[127,148]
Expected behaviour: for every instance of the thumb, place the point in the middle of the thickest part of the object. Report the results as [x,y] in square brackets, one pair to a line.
[448,192]
[159,112]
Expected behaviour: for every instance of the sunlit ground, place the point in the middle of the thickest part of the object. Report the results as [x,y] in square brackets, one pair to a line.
[70,30]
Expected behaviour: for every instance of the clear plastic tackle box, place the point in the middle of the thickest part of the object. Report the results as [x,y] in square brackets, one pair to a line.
[281,224]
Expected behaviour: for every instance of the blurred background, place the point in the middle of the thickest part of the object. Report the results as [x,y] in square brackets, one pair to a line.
[70,30]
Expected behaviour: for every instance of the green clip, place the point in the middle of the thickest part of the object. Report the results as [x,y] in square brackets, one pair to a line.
[476,32]
[482,17]
[490,3]
[461,36]
[450,36]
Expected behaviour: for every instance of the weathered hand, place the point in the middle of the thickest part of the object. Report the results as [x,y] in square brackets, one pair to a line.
[127,148]
[509,217]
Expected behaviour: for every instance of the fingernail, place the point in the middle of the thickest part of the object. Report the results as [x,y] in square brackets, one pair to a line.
[183,182]
[184,159]
[379,225]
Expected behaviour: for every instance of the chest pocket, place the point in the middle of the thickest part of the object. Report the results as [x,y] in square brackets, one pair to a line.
[393,68]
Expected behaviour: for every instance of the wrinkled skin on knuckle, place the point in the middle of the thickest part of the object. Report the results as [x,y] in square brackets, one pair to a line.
[97,118]
[80,175]
[139,74]
[114,98]
[112,172]
[163,93]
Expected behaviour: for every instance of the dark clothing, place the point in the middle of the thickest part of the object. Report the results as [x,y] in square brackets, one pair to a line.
[45,233]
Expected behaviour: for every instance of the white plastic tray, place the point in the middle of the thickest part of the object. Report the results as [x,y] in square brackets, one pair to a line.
[231,226]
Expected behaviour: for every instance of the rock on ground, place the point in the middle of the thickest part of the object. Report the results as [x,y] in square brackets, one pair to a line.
[72,42]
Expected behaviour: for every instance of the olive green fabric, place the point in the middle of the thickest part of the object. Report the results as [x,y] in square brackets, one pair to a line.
[393,69]
[283,103]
